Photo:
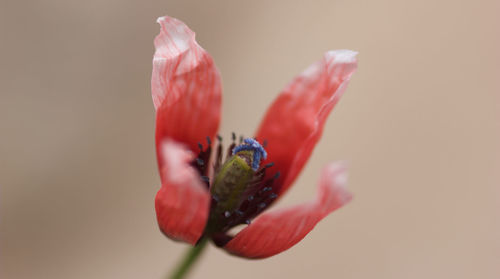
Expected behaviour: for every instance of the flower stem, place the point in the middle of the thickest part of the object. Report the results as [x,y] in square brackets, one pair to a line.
[189,259]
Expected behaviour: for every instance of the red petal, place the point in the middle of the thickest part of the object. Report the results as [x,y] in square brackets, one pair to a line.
[276,231]
[182,203]
[186,86]
[294,122]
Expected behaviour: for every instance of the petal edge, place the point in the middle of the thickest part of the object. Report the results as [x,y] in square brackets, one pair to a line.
[276,231]
[186,87]
[311,96]
[182,203]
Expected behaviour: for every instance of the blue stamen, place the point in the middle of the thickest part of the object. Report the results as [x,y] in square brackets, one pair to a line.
[256,160]
[258,151]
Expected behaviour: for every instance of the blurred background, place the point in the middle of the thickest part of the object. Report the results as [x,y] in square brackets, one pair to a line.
[418,125]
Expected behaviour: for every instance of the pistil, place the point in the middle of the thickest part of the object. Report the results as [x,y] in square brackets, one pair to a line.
[239,189]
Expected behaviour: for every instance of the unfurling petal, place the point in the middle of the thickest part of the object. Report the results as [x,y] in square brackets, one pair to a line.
[276,231]
[294,122]
[182,203]
[186,87]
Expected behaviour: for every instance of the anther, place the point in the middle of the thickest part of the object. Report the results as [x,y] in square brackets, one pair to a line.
[277,175]
[205,178]
[227,214]
[250,198]
[269,165]
[209,142]
[266,189]
[219,138]
[241,139]
[247,221]
[239,212]
[262,170]
[215,198]
[233,136]
[264,144]
[200,162]
[261,205]
[273,196]
[200,146]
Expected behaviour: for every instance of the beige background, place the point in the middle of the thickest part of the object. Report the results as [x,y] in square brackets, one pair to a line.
[418,125]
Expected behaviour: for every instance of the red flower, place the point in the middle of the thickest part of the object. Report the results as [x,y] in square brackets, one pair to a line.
[186,90]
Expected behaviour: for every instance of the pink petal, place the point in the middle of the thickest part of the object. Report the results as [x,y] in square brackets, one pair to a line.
[182,204]
[276,231]
[186,86]
[294,122]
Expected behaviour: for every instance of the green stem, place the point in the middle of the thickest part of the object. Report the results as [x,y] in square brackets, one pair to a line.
[189,259]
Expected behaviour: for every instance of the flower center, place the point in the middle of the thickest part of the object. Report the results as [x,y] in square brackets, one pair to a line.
[239,188]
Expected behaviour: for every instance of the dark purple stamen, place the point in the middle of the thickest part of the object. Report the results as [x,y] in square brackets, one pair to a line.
[258,195]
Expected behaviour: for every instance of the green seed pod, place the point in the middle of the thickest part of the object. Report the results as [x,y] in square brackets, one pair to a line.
[229,186]
[233,187]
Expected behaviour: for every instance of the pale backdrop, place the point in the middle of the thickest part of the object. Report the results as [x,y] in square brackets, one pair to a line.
[418,126]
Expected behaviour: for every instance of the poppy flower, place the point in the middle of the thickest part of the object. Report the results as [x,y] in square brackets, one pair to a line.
[204,195]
